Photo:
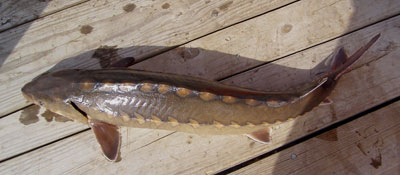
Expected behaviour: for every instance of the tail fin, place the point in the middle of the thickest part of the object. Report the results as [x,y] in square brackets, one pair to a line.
[340,65]
[342,62]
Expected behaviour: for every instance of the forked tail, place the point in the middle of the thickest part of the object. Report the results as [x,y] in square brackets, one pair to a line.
[342,63]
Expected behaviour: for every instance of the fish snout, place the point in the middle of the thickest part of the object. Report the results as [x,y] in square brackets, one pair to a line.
[27,91]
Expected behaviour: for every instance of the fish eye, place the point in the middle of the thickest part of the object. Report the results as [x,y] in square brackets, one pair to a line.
[41,103]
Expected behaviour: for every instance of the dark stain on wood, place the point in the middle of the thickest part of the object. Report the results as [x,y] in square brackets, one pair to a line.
[129,7]
[86,29]
[286,28]
[165,6]
[377,161]
[29,115]
[225,5]
[49,116]
[106,55]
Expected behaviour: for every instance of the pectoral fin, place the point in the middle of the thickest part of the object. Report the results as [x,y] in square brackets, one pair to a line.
[108,137]
[262,136]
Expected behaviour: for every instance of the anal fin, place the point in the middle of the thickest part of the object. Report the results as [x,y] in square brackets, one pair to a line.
[109,138]
[262,136]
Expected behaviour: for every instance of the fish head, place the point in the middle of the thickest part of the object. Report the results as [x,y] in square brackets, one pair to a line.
[53,91]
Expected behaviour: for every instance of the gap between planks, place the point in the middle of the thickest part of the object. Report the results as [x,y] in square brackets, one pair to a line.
[362,69]
[310,136]
[266,64]
[368,145]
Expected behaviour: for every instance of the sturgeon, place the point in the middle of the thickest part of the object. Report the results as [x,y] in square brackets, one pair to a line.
[108,98]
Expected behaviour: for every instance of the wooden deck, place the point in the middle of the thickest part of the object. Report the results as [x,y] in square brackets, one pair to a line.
[266,45]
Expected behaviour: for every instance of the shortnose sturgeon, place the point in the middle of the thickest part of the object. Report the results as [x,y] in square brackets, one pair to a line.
[108,98]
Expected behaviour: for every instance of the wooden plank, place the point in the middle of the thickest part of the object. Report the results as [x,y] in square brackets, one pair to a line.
[180,153]
[271,36]
[31,128]
[299,73]
[78,31]
[368,145]
[14,13]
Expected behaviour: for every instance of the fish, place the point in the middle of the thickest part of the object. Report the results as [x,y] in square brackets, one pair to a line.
[106,99]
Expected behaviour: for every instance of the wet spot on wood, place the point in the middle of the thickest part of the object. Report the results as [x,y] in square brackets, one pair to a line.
[377,161]
[187,53]
[165,6]
[50,116]
[214,13]
[129,7]
[286,28]
[225,5]
[86,29]
[331,135]
[106,55]
[29,115]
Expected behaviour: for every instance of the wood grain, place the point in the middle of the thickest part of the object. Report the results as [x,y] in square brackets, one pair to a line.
[30,49]
[28,129]
[285,74]
[14,13]
[271,36]
[368,145]
[371,82]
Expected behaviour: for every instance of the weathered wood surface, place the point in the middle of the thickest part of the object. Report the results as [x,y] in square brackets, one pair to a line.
[368,145]
[272,36]
[13,13]
[31,128]
[375,79]
[25,53]
[294,75]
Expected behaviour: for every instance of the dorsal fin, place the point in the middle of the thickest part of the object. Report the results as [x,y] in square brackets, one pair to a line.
[108,137]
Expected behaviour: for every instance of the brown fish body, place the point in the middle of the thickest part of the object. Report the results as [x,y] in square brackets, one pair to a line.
[162,101]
